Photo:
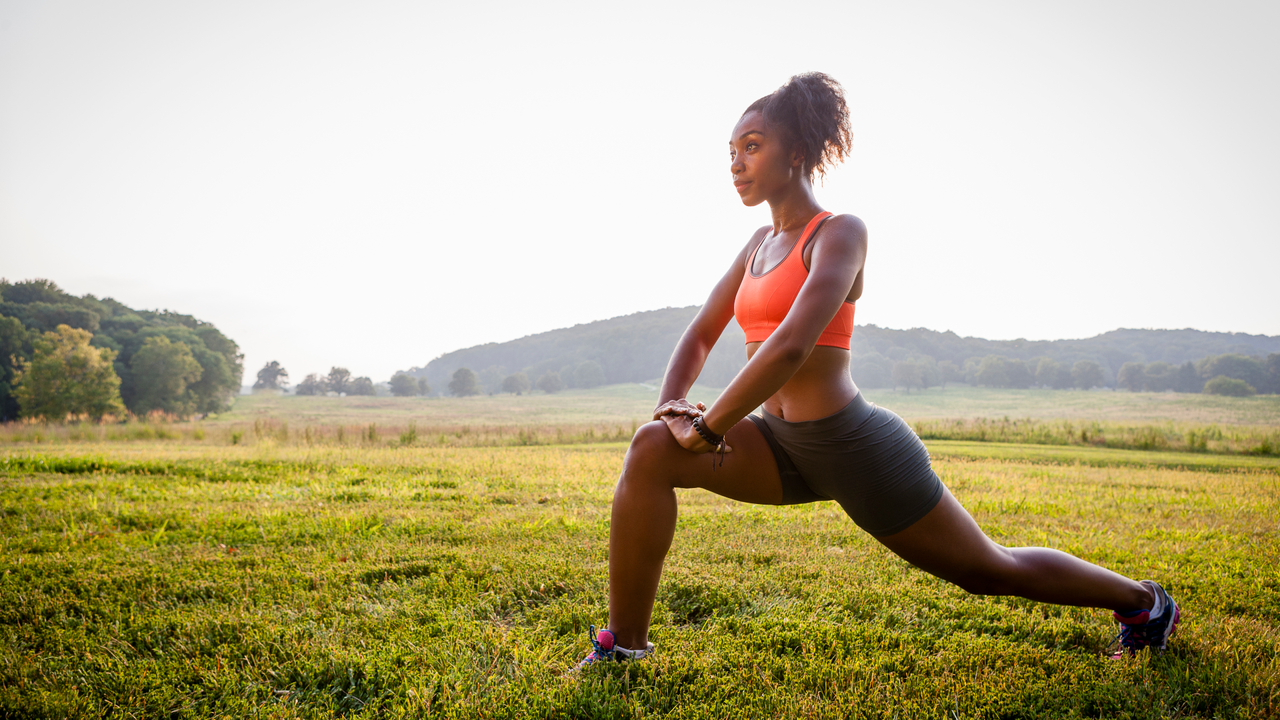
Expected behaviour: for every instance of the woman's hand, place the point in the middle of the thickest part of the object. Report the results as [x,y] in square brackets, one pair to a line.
[681,427]
[679,407]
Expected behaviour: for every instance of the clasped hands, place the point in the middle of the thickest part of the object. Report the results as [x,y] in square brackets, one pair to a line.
[678,415]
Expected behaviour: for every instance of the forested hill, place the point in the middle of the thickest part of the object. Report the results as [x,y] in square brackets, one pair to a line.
[631,348]
[635,348]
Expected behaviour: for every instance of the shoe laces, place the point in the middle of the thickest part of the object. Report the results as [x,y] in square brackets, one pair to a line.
[599,651]
[1134,636]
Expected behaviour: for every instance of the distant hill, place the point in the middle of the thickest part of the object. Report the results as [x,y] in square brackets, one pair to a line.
[630,348]
[635,348]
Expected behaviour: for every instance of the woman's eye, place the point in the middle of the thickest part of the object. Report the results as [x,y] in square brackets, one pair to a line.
[750,145]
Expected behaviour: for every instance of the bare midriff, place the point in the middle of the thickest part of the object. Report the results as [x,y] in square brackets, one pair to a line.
[821,387]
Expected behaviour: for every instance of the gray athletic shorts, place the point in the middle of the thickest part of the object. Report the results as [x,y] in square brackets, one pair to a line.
[864,457]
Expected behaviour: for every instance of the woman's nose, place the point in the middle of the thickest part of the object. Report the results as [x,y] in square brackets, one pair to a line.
[736,166]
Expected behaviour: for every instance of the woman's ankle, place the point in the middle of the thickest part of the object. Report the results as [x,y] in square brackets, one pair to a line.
[630,640]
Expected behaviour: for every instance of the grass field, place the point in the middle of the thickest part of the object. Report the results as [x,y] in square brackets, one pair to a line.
[185,579]
[1144,421]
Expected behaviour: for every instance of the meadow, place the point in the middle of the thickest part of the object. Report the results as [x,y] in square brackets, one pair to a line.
[195,577]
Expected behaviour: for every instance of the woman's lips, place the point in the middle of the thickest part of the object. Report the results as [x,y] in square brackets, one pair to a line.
[741,186]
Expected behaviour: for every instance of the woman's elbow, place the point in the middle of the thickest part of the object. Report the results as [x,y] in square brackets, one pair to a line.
[793,353]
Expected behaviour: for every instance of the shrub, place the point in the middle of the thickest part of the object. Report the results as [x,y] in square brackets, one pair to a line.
[517,383]
[550,382]
[1223,385]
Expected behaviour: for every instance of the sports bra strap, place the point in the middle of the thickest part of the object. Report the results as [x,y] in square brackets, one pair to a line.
[803,242]
[812,227]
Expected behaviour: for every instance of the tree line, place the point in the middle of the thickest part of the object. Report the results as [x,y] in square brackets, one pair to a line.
[62,355]
[495,379]
[273,376]
[1229,374]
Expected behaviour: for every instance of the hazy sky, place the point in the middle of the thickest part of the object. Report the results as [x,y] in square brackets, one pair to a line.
[373,184]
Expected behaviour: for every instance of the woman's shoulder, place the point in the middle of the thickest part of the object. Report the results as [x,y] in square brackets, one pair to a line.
[845,229]
[846,225]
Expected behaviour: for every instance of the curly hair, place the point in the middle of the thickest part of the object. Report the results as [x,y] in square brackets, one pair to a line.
[811,111]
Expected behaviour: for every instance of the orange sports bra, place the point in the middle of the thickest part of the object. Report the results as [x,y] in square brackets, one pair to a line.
[764,300]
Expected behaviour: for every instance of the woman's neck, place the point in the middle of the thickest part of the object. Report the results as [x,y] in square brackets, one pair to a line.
[795,209]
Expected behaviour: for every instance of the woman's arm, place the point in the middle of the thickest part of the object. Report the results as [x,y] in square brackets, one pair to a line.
[834,265]
[701,335]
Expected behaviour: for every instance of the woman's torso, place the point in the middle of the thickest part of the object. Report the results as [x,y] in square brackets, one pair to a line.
[822,385]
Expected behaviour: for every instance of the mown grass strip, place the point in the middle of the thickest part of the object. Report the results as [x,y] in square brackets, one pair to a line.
[221,471]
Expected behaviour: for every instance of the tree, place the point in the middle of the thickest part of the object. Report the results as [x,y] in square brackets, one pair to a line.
[1223,385]
[66,376]
[1064,377]
[588,374]
[1132,376]
[948,372]
[1273,373]
[162,370]
[339,380]
[1187,380]
[1087,374]
[312,384]
[1018,374]
[550,382]
[1160,376]
[991,372]
[1240,367]
[491,378]
[272,376]
[929,373]
[464,383]
[517,383]
[906,374]
[423,388]
[1047,373]
[404,385]
[15,346]
[363,386]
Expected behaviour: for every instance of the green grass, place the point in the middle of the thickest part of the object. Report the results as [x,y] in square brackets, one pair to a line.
[175,579]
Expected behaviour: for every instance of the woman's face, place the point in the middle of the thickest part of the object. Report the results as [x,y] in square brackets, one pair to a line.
[761,161]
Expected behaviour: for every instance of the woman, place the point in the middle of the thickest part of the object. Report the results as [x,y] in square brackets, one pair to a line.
[792,287]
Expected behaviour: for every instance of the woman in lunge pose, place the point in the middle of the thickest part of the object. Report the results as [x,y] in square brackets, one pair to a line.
[792,287]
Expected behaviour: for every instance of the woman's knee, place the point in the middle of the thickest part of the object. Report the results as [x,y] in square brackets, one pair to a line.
[652,446]
[993,574]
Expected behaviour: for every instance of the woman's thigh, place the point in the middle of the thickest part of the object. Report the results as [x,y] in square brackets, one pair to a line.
[947,542]
[749,473]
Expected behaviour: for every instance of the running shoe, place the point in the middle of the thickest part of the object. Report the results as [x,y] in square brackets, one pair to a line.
[1148,628]
[604,648]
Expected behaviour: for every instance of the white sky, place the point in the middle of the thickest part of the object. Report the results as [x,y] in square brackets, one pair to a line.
[373,184]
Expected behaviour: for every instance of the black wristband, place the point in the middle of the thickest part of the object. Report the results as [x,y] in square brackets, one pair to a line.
[699,426]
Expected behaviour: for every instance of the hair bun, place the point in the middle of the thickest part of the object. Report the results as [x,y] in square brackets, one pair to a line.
[811,109]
